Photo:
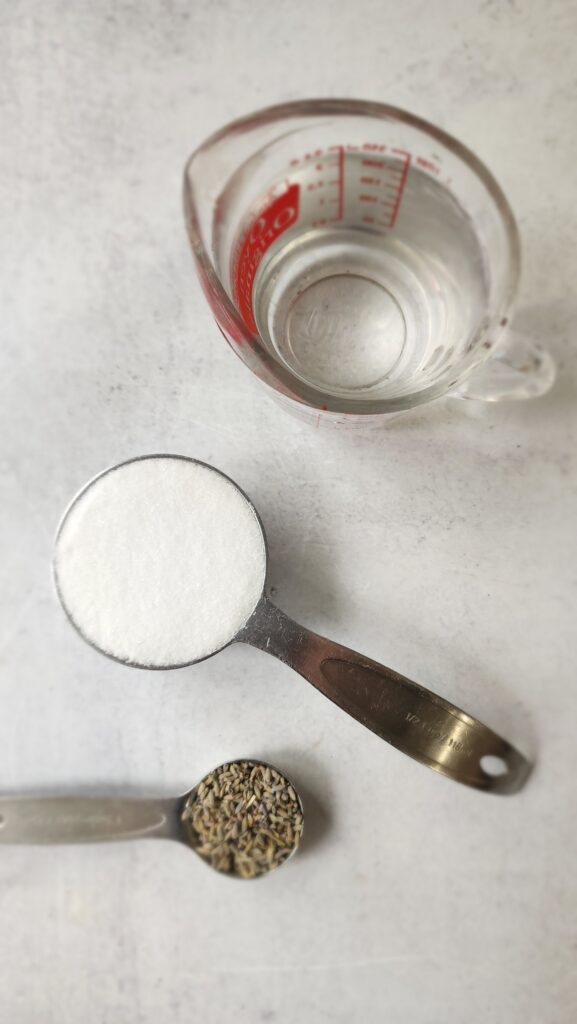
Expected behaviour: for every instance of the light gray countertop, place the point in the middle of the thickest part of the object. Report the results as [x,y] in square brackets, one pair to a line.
[443,545]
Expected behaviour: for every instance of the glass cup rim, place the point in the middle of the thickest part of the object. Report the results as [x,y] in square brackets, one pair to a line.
[291,385]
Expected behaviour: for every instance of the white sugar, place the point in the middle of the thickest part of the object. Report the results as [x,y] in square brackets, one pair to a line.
[160,561]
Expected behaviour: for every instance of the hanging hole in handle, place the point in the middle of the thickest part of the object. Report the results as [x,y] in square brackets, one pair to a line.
[493,766]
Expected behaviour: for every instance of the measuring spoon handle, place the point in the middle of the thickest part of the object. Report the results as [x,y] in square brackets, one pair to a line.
[75,819]
[416,721]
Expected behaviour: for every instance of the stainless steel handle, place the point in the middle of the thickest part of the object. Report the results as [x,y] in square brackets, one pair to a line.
[414,720]
[72,819]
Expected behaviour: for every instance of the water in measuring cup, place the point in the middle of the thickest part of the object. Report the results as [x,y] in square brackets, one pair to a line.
[359,310]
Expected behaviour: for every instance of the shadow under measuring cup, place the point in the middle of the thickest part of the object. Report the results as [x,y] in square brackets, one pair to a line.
[359,260]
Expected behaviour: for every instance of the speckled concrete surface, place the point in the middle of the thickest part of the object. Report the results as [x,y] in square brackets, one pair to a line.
[444,545]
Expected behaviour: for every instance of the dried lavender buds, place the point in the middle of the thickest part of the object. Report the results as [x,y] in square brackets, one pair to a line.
[244,818]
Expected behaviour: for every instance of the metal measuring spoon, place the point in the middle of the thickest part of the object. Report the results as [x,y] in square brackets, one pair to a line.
[239,839]
[416,721]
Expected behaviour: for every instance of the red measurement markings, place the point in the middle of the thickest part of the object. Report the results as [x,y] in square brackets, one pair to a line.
[384,185]
[339,181]
[428,165]
[402,182]
[259,236]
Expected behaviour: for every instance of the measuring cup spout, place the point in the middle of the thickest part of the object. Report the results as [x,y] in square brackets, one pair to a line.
[414,720]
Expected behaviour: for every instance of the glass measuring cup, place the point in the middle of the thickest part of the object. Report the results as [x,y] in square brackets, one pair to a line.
[359,260]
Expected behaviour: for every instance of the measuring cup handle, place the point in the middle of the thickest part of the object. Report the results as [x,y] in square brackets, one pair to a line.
[414,720]
[72,819]
[520,368]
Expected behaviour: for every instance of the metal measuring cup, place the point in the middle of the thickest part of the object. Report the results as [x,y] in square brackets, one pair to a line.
[411,718]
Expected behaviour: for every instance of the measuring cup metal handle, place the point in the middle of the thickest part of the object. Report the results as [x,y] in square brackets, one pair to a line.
[68,819]
[414,720]
[519,368]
